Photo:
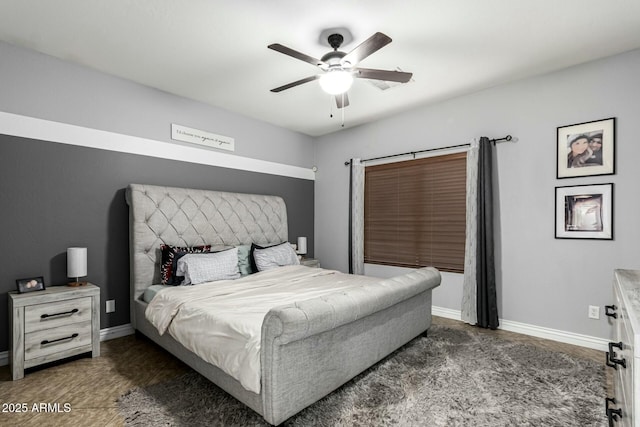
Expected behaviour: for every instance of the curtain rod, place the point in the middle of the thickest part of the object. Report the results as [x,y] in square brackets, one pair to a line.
[506,138]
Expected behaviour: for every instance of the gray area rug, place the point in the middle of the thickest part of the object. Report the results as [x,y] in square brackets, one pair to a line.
[451,378]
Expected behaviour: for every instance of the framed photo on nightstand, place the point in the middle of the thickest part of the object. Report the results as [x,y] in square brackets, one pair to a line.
[30,284]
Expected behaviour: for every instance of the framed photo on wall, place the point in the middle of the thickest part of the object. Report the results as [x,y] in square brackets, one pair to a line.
[584,212]
[586,149]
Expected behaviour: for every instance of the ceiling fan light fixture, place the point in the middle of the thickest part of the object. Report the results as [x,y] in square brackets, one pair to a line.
[336,82]
[340,68]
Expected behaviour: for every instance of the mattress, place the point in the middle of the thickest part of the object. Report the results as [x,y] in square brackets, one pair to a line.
[221,321]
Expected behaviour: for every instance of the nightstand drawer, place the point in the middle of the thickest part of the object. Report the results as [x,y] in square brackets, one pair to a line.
[55,340]
[51,315]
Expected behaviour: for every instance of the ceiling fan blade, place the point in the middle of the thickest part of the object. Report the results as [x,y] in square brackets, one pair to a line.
[386,75]
[296,83]
[295,54]
[342,100]
[366,48]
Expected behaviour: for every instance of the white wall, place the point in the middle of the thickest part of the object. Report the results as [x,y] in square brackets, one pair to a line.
[542,281]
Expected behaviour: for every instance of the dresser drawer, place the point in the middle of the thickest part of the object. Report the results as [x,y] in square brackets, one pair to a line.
[54,340]
[623,401]
[51,315]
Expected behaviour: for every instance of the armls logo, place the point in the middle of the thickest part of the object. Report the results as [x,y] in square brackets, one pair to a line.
[51,407]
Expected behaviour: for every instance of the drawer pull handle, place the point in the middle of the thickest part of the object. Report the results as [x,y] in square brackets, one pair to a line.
[611,356]
[612,414]
[44,316]
[45,342]
[611,313]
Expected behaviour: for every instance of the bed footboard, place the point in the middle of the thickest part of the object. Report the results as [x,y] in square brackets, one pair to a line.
[312,347]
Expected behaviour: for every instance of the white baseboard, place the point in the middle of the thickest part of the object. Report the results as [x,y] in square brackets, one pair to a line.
[535,331]
[105,335]
[446,312]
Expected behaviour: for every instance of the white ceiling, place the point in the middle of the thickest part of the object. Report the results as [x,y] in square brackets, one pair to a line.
[216,52]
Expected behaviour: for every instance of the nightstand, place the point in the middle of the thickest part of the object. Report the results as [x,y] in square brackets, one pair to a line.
[49,325]
[310,262]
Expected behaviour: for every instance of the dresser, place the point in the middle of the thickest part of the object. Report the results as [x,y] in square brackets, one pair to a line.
[53,324]
[624,351]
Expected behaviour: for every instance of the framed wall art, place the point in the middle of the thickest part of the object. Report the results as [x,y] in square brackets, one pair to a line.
[584,212]
[31,284]
[586,149]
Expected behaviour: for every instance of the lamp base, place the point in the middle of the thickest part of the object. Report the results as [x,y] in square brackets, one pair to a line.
[75,284]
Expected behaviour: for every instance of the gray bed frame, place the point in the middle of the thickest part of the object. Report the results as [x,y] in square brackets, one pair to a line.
[309,348]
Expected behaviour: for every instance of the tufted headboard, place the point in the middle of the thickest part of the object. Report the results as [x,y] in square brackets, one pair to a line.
[189,217]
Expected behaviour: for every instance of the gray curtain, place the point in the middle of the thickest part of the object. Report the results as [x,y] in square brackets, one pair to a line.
[469,294]
[480,254]
[356,217]
[487,307]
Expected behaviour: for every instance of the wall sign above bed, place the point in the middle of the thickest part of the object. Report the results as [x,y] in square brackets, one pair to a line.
[200,137]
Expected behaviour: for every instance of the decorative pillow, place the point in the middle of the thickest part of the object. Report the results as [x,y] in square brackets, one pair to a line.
[275,256]
[252,261]
[244,265]
[208,267]
[169,259]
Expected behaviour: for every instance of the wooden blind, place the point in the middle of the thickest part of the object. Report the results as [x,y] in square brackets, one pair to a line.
[415,213]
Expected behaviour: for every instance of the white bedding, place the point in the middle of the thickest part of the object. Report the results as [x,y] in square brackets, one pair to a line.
[221,321]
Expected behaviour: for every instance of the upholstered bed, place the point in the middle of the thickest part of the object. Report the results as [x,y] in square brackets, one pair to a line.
[308,348]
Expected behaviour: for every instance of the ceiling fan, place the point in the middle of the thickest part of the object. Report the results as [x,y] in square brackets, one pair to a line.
[340,67]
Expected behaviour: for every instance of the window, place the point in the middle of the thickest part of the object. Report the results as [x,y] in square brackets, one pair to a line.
[415,213]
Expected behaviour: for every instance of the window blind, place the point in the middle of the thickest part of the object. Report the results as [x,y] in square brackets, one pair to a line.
[415,213]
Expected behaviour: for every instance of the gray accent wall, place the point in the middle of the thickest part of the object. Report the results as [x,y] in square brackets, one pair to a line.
[53,196]
[542,281]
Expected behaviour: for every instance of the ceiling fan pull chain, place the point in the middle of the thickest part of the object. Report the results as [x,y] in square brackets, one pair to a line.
[342,108]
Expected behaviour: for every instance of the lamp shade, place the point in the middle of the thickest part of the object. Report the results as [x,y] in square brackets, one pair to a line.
[76,262]
[302,245]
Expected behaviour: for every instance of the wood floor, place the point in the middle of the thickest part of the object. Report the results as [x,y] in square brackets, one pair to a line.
[91,387]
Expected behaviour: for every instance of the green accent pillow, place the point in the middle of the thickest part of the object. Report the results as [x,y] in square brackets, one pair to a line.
[244,265]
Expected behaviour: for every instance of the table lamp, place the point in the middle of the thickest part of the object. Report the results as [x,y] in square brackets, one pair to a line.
[302,246]
[76,265]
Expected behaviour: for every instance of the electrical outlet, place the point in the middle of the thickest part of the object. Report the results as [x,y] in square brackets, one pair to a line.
[594,312]
[110,306]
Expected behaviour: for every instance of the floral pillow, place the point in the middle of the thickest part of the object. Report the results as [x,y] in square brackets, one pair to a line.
[169,261]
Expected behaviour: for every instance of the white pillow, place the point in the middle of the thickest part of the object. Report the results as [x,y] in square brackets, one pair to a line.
[208,267]
[275,256]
